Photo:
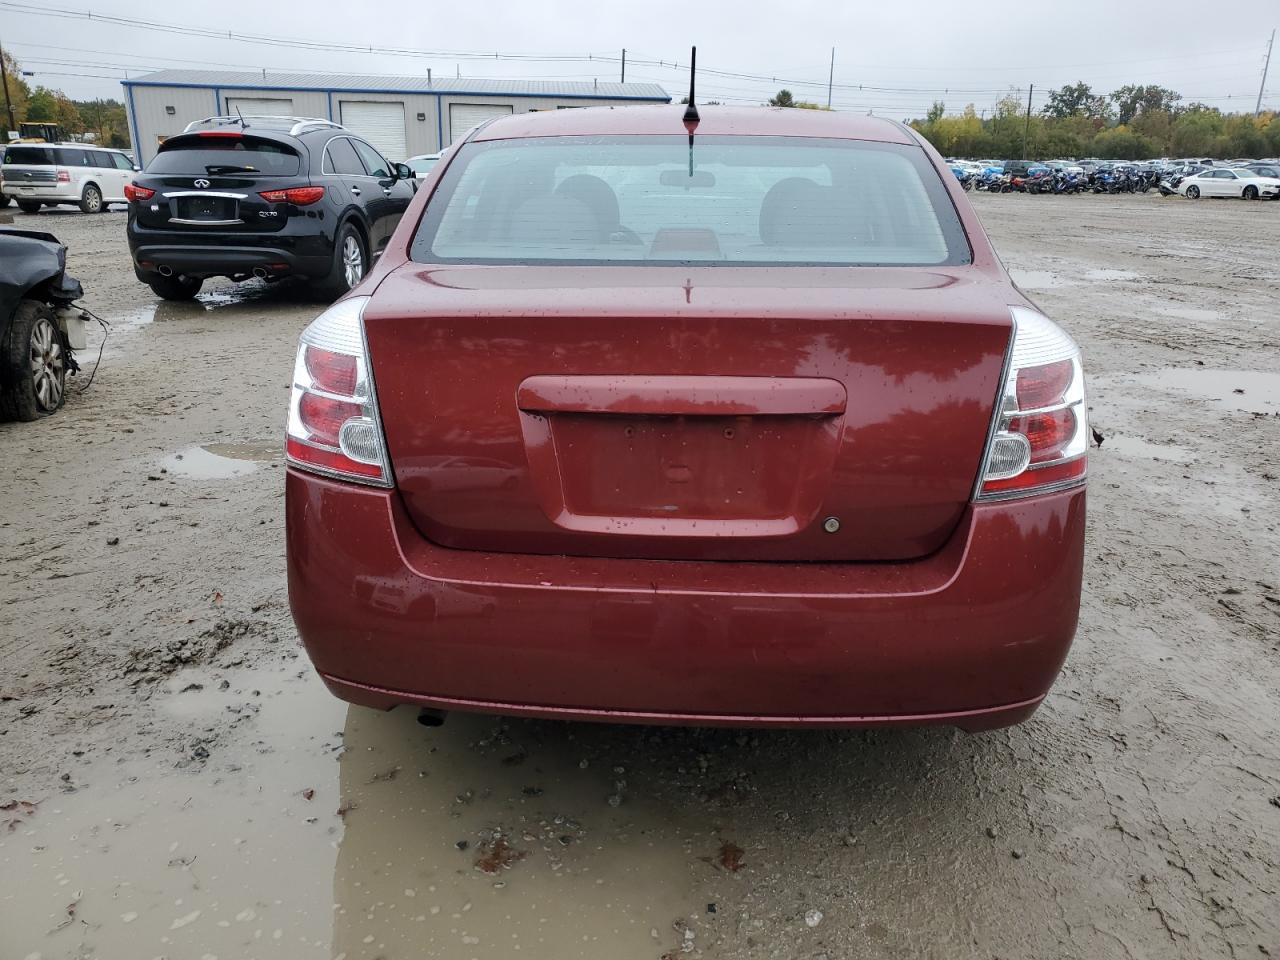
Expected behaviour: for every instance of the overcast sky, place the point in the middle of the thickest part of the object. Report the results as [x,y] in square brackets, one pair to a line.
[915,51]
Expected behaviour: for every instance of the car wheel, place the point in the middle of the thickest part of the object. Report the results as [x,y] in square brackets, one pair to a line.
[175,288]
[1193,193]
[1251,192]
[350,262]
[4,201]
[91,200]
[33,364]
[30,206]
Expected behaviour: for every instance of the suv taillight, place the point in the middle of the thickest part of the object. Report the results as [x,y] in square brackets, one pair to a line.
[299,196]
[1040,440]
[334,428]
[133,192]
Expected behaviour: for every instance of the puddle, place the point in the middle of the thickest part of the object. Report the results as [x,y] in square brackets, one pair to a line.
[1259,391]
[1189,313]
[318,830]
[1143,449]
[221,461]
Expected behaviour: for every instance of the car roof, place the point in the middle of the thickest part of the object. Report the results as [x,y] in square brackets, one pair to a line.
[62,144]
[714,121]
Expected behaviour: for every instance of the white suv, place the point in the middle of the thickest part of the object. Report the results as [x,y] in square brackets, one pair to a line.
[40,174]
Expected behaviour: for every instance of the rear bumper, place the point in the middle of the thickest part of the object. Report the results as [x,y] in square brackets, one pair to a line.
[42,192]
[219,256]
[972,636]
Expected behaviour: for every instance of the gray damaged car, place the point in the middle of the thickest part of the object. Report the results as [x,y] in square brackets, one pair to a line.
[40,328]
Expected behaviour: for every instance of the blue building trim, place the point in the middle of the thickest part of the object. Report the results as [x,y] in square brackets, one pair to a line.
[439,122]
[133,128]
[402,93]
[328,105]
[217,102]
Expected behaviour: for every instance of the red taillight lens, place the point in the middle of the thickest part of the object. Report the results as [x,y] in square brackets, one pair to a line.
[1048,433]
[64,176]
[332,372]
[1040,441]
[1043,386]
[323,417]
[298,196]
[132,192]
[334,428]
[229,134]
[1031,481]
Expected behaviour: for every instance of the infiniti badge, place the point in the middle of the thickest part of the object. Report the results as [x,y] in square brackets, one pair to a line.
[202,183]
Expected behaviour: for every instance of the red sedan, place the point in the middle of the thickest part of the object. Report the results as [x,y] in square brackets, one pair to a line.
[734,422]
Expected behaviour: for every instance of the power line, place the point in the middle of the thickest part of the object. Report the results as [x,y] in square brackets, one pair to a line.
[313,45]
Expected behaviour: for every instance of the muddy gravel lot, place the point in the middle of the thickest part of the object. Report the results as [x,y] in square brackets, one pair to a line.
[175,782]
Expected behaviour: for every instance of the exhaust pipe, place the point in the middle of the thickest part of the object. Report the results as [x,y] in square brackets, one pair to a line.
[260,272]
[432,718]
[165,271]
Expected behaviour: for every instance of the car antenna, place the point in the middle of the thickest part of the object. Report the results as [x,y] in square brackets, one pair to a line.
[241,117]
[691,111]
[691,117]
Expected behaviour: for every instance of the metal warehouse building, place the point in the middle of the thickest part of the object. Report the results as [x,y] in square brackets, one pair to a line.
[401,116]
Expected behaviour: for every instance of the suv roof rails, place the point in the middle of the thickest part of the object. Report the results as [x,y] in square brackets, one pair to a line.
[296,125]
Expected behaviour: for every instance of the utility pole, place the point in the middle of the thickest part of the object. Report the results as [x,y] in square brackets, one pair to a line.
[8,104]
[1026,127]
[831,76]
[624,65]
[1265,67]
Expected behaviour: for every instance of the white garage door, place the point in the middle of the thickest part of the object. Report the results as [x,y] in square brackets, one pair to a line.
[464,116]
[259,106]
[382,124]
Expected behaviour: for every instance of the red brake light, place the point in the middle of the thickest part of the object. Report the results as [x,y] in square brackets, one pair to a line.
[1043,386]
[323,417]
[333,372]
[1048,433]
[298,196]
[133,192]
[233,134]
[334,428]
[64,176]
[1040,438]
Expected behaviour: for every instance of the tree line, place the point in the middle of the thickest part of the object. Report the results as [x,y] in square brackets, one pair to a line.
[1134,122]
[105,119]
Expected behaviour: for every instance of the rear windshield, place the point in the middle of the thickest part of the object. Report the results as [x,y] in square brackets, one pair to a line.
[226,155]
[29,156]
[749,200]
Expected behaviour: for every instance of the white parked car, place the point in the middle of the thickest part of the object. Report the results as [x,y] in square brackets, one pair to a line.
[1222,182]
[422,164]
[50,174]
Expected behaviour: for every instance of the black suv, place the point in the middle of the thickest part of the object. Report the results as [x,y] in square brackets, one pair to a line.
[1018,168]
[266,197]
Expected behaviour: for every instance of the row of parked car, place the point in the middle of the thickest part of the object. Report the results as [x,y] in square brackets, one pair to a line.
[1245,179]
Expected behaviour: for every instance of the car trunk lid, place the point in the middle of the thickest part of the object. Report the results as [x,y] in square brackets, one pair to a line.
[714,413]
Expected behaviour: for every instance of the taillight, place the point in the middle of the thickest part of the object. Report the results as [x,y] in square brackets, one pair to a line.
[132,192]
[334,428]
[64,176]
[1040,440]
[299,196]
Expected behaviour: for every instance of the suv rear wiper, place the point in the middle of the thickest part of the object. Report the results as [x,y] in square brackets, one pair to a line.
[228,168]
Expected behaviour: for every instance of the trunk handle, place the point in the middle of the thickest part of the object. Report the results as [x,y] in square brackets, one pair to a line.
[683,396]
